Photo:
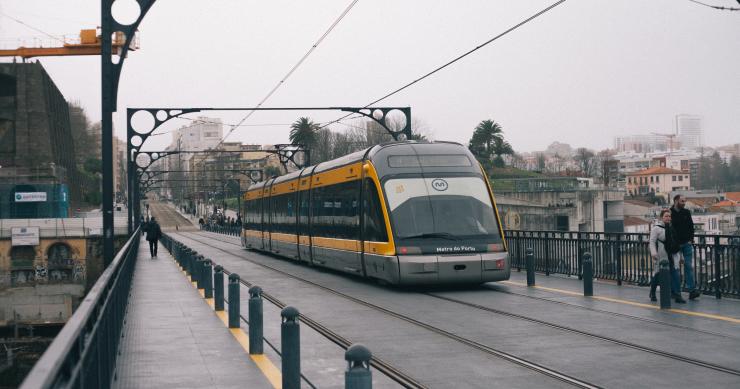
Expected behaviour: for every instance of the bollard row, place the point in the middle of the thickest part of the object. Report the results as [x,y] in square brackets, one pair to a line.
[211,279]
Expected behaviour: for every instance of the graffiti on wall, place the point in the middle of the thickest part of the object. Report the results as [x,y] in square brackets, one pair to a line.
[79,271]
[41,273]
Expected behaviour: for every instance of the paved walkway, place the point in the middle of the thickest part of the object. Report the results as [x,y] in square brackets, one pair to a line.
[173,339]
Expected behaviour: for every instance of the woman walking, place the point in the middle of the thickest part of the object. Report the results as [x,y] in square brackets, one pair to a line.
[664,247]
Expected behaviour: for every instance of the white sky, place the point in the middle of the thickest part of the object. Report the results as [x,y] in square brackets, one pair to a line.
[581,74]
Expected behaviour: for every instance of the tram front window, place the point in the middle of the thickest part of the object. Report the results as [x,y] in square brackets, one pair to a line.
[442,209]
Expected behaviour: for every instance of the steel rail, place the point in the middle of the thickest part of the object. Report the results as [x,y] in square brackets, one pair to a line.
[666,354]
[473,344]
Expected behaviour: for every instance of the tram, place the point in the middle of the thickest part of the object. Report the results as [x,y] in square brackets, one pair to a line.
[407,213]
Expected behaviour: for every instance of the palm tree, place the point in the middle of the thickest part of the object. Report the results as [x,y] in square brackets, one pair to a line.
[303,132]
[488,142]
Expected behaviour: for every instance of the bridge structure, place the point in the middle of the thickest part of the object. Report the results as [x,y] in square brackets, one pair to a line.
[203,311]
[206,312]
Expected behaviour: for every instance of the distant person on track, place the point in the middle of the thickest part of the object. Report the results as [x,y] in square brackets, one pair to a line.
[664,246]
[153,233]
[684,227]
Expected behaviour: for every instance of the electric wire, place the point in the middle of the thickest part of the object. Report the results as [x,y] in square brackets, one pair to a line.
[717,6]
[510,29]
[295,67]
[31,27]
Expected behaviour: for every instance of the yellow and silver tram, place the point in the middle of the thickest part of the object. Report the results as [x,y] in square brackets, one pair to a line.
[406,213]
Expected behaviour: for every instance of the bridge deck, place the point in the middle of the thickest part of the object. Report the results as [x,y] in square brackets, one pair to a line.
[173,339]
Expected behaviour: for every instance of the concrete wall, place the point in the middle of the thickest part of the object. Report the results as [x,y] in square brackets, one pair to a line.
[540,210]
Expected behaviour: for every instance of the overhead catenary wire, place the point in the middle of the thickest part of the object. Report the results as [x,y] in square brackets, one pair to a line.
[31,27]
[295,67]
[717,6]
[458,58]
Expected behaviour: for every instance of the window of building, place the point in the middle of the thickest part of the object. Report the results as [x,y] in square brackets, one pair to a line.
[680,178]
[652,179]
[674,178]
[657,178]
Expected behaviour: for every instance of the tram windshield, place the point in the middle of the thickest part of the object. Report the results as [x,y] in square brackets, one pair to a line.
[442,208]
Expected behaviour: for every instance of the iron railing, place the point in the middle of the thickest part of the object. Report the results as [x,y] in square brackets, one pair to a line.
[83,354]
[625,257]
[226,230]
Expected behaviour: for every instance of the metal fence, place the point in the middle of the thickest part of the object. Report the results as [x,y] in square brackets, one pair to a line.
[625,257]
[226,230]
[622,257]
[83,354]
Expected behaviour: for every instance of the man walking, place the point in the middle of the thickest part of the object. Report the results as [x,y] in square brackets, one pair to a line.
[683,225]
[153,233]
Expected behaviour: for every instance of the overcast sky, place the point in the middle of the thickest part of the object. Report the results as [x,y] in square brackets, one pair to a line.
[582,73]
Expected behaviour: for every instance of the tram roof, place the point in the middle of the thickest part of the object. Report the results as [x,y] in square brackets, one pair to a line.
[384,149]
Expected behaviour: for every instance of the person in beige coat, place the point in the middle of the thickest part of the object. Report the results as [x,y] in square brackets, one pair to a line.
[661,231]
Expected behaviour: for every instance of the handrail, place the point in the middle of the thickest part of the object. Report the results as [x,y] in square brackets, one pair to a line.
[61,364]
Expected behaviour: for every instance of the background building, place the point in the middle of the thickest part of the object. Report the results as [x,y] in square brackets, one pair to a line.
[689,130]
[36,143]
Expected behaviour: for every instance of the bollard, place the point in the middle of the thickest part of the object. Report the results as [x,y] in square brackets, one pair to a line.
[188,259]
[218,290]
[588,275]
[529,264]
[233,300]
[664,279]
[255,320]
[290,348]
[358,374]
[207,279]
[197,271]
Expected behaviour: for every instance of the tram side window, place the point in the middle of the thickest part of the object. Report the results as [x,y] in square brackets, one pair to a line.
[335,211]
[374,222]
[252,215]
[283,214]
[303,213]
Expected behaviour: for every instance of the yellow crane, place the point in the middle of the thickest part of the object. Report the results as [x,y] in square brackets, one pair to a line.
[89,43]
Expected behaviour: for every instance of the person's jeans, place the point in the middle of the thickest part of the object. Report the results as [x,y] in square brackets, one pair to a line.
[675,281]
[153,248]
[687,249]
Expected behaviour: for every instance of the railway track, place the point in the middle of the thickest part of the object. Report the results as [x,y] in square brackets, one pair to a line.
[623,343]
[576,382]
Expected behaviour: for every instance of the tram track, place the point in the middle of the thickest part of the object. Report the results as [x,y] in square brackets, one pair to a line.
[552,373]
[692,361]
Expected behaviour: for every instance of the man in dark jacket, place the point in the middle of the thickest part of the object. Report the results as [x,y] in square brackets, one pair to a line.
[153,233]
[683,225]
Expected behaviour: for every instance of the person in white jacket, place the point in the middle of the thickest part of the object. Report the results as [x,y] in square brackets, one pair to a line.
[660,245]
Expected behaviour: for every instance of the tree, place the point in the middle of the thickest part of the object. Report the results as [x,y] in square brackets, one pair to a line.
[271,171]
[303,132]
[541,162]
[586,161]
[488,144]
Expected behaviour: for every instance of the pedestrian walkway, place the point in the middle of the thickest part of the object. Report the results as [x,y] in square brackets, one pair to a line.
[173,339]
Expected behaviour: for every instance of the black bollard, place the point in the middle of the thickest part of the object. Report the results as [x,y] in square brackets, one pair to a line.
[233,300]
[198,272]
[290,339]
[588,275]
[255,320]
[358,374]
[529,265]
[218,289]
[207,279]
[664,279]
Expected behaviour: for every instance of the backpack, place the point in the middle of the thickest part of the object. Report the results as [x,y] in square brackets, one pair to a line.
[670,243]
